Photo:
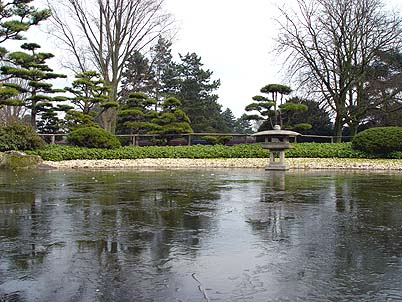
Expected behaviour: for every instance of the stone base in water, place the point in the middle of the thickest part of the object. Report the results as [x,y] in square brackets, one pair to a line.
[19,160]
[277,167]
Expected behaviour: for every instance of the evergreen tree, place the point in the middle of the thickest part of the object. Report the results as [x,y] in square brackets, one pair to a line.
[228,121]
[32,67]
[16,17]
[275,111]
[189,82]
[315,115]
[172,119]
[75,119]
[89,90]
[243,125]
[161,63]
[148,74]
[137,115]
[137,76]
[50,121]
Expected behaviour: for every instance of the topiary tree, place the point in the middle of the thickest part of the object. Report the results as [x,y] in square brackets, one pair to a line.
[380,141]
[172,120]
[137,114]
[50,121]
[16,17]
[90,94]
[274,110]
[75,119]
[32,67]
[89,90]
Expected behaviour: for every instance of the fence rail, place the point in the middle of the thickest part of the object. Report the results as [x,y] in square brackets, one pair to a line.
[192,138]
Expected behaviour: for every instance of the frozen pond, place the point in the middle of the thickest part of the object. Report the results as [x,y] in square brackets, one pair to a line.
[200,235]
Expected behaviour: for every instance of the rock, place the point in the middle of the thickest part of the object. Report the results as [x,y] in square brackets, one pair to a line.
[19,160]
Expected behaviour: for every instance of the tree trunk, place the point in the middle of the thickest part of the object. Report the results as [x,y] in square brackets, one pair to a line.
[338,127]
[107,119]
[353,128]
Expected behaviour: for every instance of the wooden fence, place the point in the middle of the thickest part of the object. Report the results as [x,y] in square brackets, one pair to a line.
[191,138]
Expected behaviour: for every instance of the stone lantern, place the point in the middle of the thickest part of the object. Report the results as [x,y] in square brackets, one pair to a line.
[277,141]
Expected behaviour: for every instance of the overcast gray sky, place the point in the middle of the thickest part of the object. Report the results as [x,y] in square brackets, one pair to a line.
[234,39]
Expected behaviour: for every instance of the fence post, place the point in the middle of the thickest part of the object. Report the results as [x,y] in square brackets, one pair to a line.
[53,139]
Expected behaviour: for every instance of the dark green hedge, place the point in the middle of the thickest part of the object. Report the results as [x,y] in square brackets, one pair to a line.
[380,141]
[91,137]
[311,150]
[19,136]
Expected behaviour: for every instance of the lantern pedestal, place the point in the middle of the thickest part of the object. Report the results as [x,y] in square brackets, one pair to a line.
[277,141]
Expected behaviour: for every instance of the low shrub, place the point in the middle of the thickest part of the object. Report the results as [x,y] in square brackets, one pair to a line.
[310,150]
[380,141]
[19,136]
[59,152]
[215,140]
[91,137]
[326,150]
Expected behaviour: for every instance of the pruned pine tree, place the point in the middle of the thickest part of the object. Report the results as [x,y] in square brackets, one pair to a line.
[16,17]
[172,120]
[32,67]
[275,110]
[136,115]
[89,94]
[89,90]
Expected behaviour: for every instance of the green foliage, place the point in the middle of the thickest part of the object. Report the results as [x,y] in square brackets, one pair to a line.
[192,84]
[243,125]
[76,119]
[58,152]
[215,140]
[302,126]
[325,150]
[172,120]
[137,114]
[288,106]
[18,136]
[276,89]
[302,150]
[92,137]
[273,110]
[17,16]
[33,70]
[381,140]
[317,117]
[88,89]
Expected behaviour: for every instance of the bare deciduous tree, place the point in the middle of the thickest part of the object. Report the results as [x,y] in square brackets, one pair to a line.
[329,46]
[102,34]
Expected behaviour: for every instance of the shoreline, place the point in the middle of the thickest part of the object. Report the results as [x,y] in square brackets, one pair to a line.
[258,163]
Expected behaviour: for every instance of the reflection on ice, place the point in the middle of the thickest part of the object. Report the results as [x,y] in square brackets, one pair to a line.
[188,235]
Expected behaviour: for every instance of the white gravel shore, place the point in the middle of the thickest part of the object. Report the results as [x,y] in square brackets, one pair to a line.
[293,163]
